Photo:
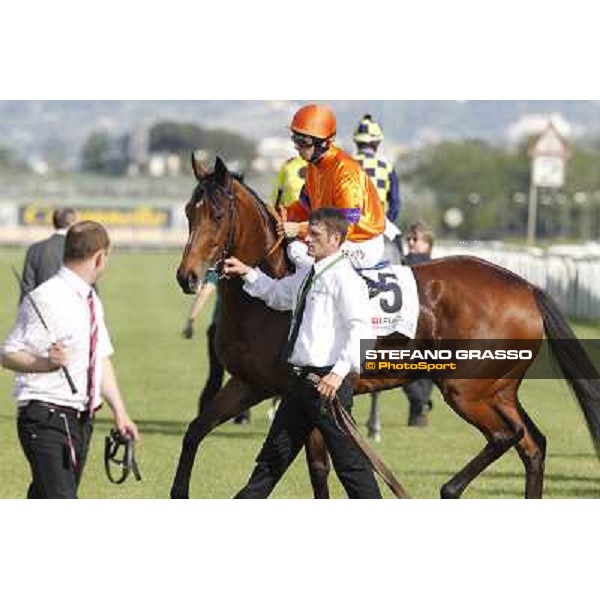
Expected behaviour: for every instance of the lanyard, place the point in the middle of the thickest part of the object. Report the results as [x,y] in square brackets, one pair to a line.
[304,292]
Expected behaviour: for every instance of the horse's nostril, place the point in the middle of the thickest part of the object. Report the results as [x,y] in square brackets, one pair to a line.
[188,283]
[192,282]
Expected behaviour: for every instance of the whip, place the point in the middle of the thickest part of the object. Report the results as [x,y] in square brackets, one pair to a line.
[27,295]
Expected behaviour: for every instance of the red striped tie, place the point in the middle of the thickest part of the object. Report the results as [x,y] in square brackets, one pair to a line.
[91,387]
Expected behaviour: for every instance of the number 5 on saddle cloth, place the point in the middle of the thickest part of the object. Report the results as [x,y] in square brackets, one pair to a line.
[394,299]
[113,443]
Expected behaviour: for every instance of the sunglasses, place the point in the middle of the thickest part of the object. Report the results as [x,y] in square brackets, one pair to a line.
[302,141]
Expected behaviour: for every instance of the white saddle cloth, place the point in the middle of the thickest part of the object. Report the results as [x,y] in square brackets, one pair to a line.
[396,307]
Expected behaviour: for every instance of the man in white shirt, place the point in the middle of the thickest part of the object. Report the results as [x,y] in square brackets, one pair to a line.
[55,421]
[330,317]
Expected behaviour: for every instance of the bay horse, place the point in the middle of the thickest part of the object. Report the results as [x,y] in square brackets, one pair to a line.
[461,298]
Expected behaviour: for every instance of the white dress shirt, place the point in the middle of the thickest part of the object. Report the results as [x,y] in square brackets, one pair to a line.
[63,303]
[336,316]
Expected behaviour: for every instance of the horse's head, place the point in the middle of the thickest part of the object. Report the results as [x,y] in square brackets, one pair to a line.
[224,217]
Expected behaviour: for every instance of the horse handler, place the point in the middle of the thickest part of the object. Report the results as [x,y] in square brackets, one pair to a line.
[61,350]
[330,317]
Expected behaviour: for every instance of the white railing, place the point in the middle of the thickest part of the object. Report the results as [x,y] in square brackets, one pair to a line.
[570,274]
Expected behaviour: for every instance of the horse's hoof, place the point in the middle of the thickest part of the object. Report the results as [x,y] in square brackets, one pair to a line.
[179,494]
[374,436]
[447,492]
[418,420]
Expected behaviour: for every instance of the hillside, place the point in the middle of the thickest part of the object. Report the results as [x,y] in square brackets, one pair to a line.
[34,128]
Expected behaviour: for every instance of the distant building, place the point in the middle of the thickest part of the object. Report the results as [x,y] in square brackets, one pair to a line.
[272,153]
[39,166]
[138,149]
[532,125]
[162,164]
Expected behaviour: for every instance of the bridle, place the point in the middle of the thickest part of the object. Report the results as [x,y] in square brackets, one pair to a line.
[228,248]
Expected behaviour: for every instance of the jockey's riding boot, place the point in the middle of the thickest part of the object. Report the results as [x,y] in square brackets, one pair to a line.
[243,418]
[397,241]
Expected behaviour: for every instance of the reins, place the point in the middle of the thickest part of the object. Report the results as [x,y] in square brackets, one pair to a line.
[280,236]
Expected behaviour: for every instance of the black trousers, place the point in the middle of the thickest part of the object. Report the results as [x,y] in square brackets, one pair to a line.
[55,442]
[418,393]
[300,411]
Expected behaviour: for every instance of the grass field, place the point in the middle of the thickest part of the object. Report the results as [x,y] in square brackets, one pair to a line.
[161,373]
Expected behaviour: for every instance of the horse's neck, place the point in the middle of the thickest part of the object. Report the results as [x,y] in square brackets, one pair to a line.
[266,253]
[277,262]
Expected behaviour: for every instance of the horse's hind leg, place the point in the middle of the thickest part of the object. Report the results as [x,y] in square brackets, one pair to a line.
[318,464]
[531,446]
[229,401]
[374,424]
[532,451]
[501,433]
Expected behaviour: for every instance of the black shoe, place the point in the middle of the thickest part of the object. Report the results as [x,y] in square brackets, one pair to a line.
[418,420]
[242,419]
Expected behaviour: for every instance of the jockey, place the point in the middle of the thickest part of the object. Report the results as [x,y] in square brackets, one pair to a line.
[367,137]
[290,180]
[334,179]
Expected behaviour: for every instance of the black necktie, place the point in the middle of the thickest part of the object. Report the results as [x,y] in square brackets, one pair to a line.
[298,314]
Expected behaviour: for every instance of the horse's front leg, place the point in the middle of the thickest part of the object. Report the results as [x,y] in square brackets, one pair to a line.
[234,397]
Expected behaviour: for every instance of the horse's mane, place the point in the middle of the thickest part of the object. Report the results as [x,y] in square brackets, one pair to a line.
[269,216]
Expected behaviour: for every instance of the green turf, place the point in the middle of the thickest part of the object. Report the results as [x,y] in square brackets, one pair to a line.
[161,373]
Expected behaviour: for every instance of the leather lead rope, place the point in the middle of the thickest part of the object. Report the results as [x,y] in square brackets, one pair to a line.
[112,444]
[348,426]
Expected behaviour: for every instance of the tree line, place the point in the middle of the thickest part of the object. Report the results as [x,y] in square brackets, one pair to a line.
[112,155]
[489,186]
[486,184]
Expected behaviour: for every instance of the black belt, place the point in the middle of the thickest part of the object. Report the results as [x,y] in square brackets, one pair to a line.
[79,415]
[304,371]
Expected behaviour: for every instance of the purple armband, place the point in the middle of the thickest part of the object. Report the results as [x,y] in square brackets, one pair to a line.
[352,215]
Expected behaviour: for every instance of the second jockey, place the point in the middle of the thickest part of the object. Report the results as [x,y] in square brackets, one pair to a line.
[333,179]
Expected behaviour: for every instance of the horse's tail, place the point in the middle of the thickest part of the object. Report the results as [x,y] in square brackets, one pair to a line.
[581,374]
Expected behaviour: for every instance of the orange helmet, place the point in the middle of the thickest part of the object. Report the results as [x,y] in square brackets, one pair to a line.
[316,120]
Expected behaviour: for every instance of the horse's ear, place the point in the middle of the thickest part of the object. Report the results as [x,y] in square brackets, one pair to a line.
[200,169]
[222,175]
